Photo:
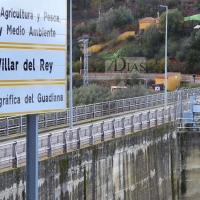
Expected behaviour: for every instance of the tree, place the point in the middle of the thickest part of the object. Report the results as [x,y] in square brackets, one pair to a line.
[105,22]
[96,65]
[93,93]
[185,46]
[123,16]
[130,50]
[129,92]
[100,5]
[174,22]
[151,41]
[173,48]
[79,29]
[192,59]
[92,26]
[76,53]
[195,39]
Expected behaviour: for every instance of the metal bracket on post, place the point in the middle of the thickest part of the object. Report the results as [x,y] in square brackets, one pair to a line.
[91,135]
[132,123]
[181,108]
[102,132]
[140,99]
[163,115]
[147,101]
[20,124]
[156,117]
[152,100]
[141,124]
[75,114]
[65,146]
[94,110]
[156,99]
[113,127]
[109,108]
[123,126]
[85,113]
[45,117]
[116,107]
[102,109]
[78,138]
[49,145]
[7,126]
[135,104]
[148,119]
[66,116]
[32,157]
[15,160]
[169,113]
[56,118]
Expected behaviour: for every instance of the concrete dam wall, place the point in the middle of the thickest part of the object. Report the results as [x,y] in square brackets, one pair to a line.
[189,162]
[138,166]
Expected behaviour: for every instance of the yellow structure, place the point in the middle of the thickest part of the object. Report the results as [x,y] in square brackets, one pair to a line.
[144,22]
[173,80]
[98,47]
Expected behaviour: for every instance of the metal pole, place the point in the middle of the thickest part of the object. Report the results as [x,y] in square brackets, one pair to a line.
[32,157]
[70,73]
[165,92]
[165,99]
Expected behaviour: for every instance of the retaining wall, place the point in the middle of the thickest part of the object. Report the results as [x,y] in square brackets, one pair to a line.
[137,166]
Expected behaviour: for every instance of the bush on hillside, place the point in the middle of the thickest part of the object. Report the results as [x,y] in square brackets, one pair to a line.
[123,16]
[93,93]
[96,65]
[92,26]
[129,50]
[129,92]
[79,29]
[76,53]
[105,22]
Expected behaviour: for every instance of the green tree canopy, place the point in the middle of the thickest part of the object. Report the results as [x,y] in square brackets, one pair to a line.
[174,22]
[192,59]
[123,16]
[151,40]
[100,4]
[105,22]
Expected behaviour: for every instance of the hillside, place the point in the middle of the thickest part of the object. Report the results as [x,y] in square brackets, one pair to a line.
[106,22]
[83,10]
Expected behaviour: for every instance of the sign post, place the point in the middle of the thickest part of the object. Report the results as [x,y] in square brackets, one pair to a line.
[32,157]
[32,68]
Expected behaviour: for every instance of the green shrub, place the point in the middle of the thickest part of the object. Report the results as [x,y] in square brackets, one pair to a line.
[79,29]
[93,93]
[129,92]
[130,38]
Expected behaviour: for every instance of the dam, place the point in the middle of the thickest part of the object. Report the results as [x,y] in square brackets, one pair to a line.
[135,156]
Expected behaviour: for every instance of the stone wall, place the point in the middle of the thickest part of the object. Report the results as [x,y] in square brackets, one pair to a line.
[139,166]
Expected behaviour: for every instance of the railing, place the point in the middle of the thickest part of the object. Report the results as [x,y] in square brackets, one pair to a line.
[13,154]
[188,124]
[17,124]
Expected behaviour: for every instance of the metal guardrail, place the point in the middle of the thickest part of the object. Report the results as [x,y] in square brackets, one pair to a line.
[192,125]
[17,124]
[13,154]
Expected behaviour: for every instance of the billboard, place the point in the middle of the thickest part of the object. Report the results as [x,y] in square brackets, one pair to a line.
[33,36]
[126,65]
